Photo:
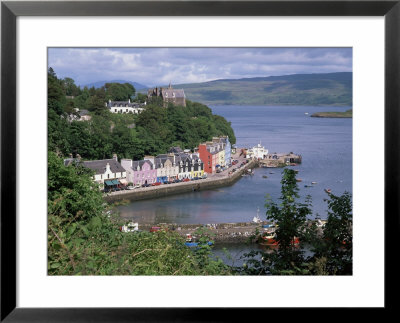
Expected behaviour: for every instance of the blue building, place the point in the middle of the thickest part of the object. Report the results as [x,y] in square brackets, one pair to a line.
[228,149]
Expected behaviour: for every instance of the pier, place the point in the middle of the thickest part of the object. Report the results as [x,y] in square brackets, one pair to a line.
[220,232]
[280,160]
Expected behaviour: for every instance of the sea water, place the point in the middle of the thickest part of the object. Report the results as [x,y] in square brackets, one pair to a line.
[325,145]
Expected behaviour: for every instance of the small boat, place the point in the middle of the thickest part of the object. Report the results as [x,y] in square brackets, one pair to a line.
[271,172]
[305,113]
[265,176]
[190,241]
[264,166]
[298,180]
[313,182]
[328,190]
[296,171]
[130,227]
[307,185]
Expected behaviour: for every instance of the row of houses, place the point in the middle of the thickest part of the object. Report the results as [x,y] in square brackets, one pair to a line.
[174,165]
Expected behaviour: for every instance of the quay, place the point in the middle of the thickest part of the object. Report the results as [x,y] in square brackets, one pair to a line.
[220,232]
[215,180]
[280,160]
[212,181]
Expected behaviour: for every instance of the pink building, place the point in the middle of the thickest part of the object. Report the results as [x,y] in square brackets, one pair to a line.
[139,172]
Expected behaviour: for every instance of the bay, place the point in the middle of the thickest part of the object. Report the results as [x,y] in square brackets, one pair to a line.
[324,143]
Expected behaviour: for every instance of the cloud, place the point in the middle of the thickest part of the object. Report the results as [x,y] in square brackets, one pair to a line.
[159,66]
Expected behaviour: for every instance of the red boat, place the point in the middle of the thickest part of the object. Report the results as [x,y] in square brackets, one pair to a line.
[268,238]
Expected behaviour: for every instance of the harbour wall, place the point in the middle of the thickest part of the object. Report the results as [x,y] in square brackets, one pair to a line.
[179,188]
[220,232]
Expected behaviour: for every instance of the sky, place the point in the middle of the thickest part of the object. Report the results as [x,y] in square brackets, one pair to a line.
[160,66]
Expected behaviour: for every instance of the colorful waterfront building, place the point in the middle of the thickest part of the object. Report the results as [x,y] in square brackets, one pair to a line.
[208,153]
[167,168]
[190,166]
[107,172]
[197,166]
[228,148]
[139,172]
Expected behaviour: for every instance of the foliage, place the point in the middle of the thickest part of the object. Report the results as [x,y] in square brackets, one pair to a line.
[119,92]
[129,136]
[331,247]
[335,247]
[83,237]
[300,89]
[290,217]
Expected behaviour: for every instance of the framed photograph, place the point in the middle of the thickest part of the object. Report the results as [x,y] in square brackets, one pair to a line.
[224,92]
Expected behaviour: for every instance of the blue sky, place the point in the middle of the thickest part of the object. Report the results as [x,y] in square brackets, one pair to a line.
[159,66]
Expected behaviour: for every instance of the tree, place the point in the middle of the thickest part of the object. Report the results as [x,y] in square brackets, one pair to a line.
[119,92]
[70,87]
[55,93]
[290,217]
[334,249]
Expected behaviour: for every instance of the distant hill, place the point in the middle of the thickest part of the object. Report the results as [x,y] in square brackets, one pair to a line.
[99,84]
[299,89]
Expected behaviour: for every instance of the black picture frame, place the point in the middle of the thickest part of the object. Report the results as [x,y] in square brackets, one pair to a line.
[10,10]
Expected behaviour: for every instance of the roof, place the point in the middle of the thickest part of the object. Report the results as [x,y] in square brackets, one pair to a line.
[140,163]
[171,93]
[175,150]
[99,166]
[83,112]
[124,104]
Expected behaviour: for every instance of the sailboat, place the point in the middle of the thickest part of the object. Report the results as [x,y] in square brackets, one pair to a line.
[257,219]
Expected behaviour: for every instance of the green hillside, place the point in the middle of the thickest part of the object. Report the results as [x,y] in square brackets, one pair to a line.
[298,89]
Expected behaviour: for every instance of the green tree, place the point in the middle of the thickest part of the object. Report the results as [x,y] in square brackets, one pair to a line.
[333,250]
[290,217]
[55,93]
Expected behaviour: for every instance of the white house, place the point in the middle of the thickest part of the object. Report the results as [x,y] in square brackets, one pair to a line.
[125,107]
[108,172]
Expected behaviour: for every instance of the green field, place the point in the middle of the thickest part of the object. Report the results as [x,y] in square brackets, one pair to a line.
[346,114]
[333,89]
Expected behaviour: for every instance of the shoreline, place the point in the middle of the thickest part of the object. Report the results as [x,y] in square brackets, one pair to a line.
[214,181]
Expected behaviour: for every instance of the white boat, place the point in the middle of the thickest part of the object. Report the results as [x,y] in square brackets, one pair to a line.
[130,227]
[305,113]
[257,218]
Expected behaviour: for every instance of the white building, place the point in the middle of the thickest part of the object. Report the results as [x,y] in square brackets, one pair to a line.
[108,172]
[125,107]
[257,152]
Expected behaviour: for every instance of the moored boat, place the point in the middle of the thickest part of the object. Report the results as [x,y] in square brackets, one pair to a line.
[130,227]
[257,218]
[191,241]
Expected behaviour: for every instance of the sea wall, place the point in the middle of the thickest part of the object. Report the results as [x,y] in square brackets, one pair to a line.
[179,188]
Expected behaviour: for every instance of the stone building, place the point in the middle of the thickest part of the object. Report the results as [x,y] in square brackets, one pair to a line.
[169,95]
